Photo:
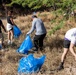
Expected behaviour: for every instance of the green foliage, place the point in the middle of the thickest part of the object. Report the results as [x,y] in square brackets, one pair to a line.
[59,12]
[37,4]
[47,3]
[74,7]
[18,2]
[66,3]
[57,27]
[53,21]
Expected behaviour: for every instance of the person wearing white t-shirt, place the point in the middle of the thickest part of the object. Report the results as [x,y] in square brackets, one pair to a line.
[69,43]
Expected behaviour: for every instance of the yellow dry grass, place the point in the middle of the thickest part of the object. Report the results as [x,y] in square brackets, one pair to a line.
[53,47]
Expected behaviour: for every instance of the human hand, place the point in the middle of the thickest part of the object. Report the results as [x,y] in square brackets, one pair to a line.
[27,34]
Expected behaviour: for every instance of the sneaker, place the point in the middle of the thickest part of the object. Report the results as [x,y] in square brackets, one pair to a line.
[60,68]
[9,42]
[2,50]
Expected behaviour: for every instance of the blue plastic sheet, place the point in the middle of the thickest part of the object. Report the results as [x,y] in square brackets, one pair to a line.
[26,45]
[29,64]
[17,31]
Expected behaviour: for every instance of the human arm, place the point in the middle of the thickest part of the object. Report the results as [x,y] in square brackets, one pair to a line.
[32,28]
[2,25]
[72,44]
[72,49]
[11,19]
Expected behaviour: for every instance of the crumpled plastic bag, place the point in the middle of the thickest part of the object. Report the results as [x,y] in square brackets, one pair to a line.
[17,31]
[29,64]
[26,45]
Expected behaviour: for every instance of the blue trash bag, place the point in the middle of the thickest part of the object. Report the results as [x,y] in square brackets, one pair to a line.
[26,45]
[0,46]
[29,64]
[17,31]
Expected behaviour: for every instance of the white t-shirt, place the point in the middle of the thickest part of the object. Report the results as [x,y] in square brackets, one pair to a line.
[71,35]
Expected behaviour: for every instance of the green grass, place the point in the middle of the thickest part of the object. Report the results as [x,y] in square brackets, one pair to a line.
[57,27]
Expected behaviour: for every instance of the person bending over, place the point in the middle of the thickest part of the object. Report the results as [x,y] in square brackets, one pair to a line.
[69,44]
[40,33]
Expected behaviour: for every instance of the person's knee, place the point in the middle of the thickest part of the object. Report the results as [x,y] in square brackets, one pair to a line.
[65,51]
[71,49]
[11,33]
[8,32]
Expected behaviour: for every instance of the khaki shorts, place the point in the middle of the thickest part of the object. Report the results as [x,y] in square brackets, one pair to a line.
[1,38]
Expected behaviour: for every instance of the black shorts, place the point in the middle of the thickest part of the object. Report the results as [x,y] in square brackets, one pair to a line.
[11,29]
[66,43]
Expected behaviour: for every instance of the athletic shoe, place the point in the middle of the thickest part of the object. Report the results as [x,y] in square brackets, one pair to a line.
[60,67]
[9,42]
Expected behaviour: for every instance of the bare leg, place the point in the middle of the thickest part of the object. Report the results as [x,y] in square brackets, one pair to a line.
[72,50]
[63,58]
[64,54]
[11,35]
[8,35]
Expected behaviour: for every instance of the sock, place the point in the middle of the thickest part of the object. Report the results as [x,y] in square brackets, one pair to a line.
[9,41]
[61,63]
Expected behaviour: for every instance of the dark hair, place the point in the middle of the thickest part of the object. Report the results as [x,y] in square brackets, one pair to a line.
[9,11]
[34,16]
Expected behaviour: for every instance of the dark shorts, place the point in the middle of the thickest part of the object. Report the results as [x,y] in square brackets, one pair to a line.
[66,43]
[11,29]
